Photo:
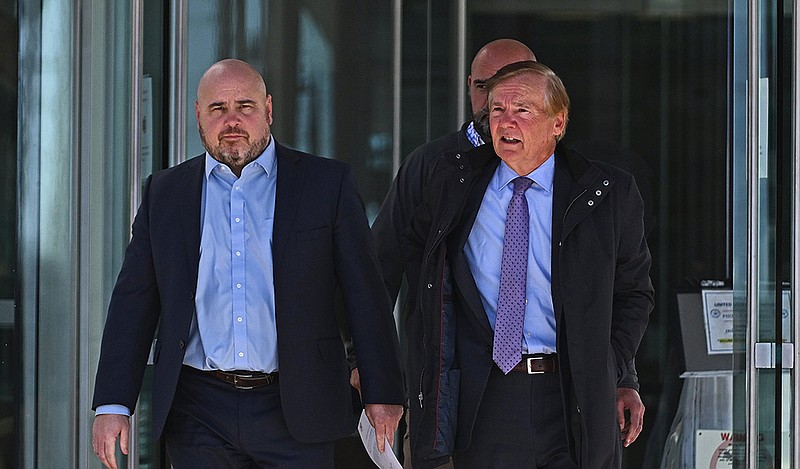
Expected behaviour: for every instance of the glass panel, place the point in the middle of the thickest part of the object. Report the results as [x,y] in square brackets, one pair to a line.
[774,200]
[429,98]
[331,94]
[153,157]
[9,349]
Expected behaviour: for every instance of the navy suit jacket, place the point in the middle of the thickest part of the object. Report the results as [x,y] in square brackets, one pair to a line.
[321,245]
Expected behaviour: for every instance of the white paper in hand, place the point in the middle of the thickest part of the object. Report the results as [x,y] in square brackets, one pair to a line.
[385,460]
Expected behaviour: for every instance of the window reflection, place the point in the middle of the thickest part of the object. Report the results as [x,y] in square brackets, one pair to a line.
[8,228]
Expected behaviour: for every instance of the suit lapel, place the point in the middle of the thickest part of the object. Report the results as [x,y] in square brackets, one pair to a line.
[191,185]
[287,197]
[484,166]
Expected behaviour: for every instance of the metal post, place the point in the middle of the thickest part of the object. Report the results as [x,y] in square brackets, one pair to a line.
[137,53]
[397,81]
[753,53]
[795,431]
[177,82]
[461,83]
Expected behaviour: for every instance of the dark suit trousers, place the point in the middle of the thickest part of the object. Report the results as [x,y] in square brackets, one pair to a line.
[520,424]
[213,425]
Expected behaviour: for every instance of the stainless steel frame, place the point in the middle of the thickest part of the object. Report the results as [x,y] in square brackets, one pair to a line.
[796,233]
[461,58]
[753,62]
[397,81]
[177,79]
[137,54]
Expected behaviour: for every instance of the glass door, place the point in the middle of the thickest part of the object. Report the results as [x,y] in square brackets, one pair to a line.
[765,220]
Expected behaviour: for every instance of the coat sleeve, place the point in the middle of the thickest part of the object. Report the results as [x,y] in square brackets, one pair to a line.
[404,197]
[368,309]
[633,291]
[132,319]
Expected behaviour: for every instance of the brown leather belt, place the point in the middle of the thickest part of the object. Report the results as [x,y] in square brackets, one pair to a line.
[241,379]
[537,364]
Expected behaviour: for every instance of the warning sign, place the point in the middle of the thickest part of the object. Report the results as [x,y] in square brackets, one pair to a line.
[719,449]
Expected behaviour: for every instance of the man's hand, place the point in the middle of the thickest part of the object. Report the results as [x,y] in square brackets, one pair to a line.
[628,399]
[355,380]
[384,417]
[107,427]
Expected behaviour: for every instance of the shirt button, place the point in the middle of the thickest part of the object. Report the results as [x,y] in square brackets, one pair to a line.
[238,285]
[239,319]
[241,354]
[238,253]
[237,219]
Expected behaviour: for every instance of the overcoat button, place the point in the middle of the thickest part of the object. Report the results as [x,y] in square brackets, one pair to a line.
[605,183]
[591,202]
[598,192]
[458,156]
[461,180]
[430,285]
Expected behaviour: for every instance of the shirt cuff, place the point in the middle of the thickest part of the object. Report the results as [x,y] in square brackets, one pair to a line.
[112,409]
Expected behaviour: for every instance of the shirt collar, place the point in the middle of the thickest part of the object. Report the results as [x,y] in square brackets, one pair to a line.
[265,161]
[473,136]
[542,176]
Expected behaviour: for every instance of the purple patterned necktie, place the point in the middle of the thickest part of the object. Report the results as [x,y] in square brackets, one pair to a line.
[507,350]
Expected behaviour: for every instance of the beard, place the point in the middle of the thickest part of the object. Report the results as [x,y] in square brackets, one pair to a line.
[481,121]
[234,155]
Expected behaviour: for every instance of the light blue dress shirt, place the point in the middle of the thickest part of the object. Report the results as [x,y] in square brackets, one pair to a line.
[234,325]
[484,252]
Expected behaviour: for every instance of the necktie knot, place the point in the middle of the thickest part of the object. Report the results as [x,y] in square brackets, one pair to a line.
[521,184]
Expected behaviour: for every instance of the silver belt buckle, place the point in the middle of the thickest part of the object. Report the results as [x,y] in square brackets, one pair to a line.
[240,386]
[531,371]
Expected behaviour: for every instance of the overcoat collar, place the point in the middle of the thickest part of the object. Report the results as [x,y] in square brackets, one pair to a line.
[576,185]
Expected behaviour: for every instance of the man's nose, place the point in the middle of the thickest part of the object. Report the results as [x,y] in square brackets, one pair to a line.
[506,119]
[232,119]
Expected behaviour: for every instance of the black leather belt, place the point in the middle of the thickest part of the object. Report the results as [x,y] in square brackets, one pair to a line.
[537,364]
[241,379]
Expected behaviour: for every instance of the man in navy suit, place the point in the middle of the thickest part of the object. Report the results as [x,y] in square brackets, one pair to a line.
[234,265]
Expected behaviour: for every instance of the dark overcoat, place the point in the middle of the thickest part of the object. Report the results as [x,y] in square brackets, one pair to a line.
[601,290]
